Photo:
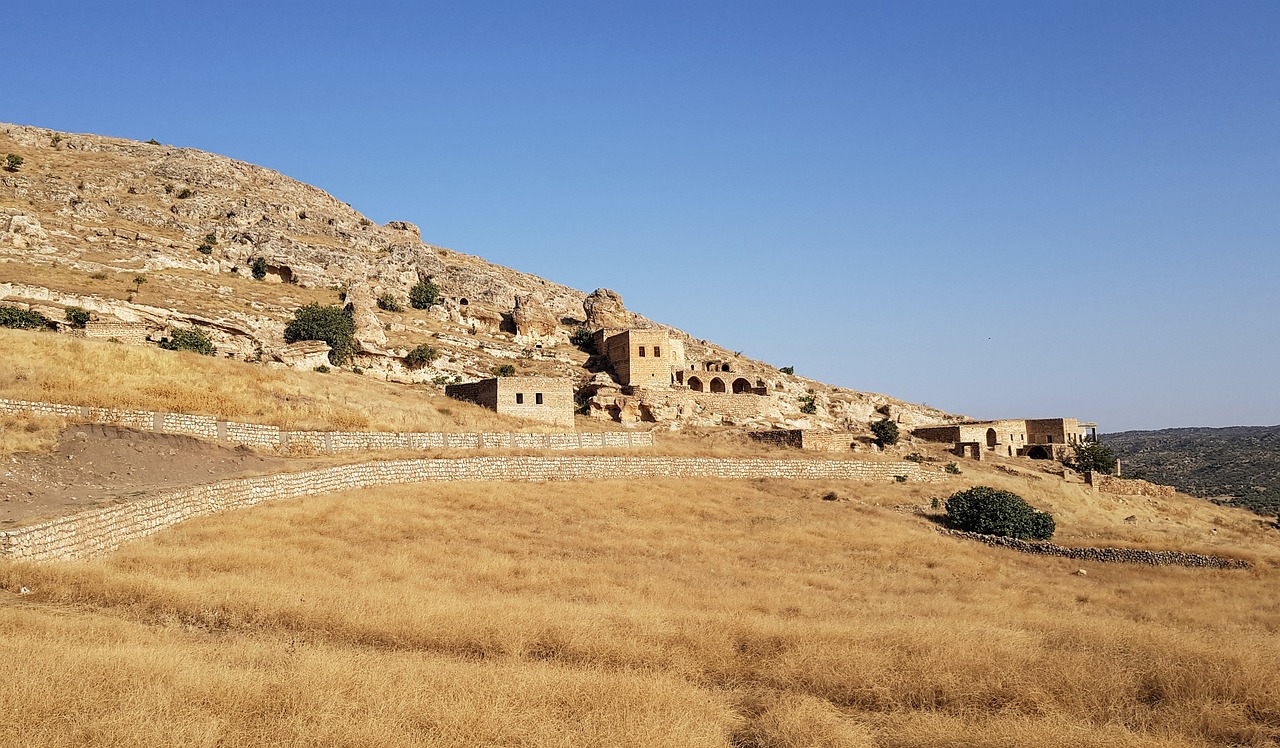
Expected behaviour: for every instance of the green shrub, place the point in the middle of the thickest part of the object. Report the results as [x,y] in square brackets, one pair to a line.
[424,295]
[388,302]
[952,469]
[153,141]
[788,370]
[23,319]
[582,337]
[900,478]
[185,193]
[258,268]
[915,457]
[886,432]
[1092,455]
[189,339]
[420,356]
[12,162]
[506,370]
[76,316]
[322,369]
[991,511]
[205,249]
[807,405]
[332,324]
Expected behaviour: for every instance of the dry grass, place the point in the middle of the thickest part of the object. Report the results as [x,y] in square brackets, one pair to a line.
[53,368]
[28,433]
[707,613]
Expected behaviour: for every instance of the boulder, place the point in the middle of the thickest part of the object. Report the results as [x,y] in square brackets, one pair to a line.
[23,232]
[531,317]
[370,336]
[604,308]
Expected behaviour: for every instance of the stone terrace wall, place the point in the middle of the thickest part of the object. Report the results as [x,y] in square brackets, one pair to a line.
[258,435]
[1109,555]
[97,531]
[1129,486]
[133,333]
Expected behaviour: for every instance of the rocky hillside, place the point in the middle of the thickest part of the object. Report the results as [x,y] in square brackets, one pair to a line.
[1241,462]
[148,233]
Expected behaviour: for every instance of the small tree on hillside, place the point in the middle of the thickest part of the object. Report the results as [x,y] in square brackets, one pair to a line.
[424,295]
[12,162]
[1091,455]
[332,324]
[886,432]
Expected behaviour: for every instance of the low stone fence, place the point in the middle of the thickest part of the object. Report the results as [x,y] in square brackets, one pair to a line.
[1108,555]
[1128,486]
[258,435]
[97,531]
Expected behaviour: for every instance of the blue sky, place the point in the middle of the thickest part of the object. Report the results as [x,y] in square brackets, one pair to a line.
[1004,209]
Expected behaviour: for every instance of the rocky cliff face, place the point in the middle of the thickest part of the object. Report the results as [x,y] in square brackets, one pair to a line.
[148,233]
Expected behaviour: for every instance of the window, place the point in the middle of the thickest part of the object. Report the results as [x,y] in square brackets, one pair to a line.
[537,398]
[519,398]
[657,352]
[641,351]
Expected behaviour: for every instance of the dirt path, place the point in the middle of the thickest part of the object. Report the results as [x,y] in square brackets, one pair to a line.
[94,465]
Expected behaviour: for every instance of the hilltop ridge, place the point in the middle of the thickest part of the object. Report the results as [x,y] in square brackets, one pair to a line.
[144,232]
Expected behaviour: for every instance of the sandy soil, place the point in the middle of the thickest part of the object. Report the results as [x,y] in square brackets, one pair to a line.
[94,465]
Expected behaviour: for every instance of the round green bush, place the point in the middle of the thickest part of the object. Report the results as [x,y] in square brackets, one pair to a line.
[190,339]
[991,511]
[886,432]
[424,295]
[420,356]
[23,319]
[332,324]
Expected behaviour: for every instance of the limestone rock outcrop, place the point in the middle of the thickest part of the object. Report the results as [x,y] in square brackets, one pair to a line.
[604,308]
[369,333]
[532,318]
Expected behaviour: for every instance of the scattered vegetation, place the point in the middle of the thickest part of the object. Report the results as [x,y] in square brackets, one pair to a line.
[153,141]
[389,303]
[206,247]
[420,356]
[951,469]
[424,295]
[789,370]
[505,370]
[55,139]
[138,280]
[885,432]
[258,268]
[915,457]
[186,192]
[13,162]
[322,369]
[332,324]
[23,319]
[76,317]
[194,339]
[808,406]
[993,511]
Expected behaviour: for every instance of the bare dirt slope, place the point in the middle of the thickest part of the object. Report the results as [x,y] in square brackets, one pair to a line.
[93,465]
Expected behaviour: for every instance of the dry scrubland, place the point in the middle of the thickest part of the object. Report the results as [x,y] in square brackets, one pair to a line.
[62,369]
[691,613]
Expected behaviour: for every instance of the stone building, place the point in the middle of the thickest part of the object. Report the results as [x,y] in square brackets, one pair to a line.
[546,399]
[641,358]
[1036,438]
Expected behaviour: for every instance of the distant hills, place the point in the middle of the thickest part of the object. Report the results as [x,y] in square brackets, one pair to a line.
[1241,462]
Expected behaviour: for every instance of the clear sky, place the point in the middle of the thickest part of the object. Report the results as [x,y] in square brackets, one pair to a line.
[1003,209]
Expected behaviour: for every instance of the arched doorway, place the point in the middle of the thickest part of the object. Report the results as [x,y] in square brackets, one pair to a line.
[741,386]
[991,437]
[695,384]
[1038,453]
[717,385]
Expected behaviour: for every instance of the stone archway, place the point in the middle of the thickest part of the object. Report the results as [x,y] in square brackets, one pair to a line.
[1039,453]
[991,438]
[741,386]
[695,384]
[717,384]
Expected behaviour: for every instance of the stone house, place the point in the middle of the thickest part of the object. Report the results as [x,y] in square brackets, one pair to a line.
[1035,438]
[545,399]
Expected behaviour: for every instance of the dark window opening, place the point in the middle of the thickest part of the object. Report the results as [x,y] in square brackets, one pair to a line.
[519,398]
[657,352]
[537,398]
[641,351]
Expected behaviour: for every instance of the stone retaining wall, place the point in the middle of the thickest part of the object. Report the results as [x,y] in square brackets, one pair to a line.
[1128,486]
[1108,555]
[258,435]
[97,531]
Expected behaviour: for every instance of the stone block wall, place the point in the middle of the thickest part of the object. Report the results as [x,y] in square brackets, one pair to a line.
[1128,486]
[98,531]
[258,435]
[1108,555]
[734,406]
[133,333]
[819,441]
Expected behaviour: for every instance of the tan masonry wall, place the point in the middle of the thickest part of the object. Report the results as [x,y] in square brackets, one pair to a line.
[1128,486]
[820,441]
[97,531]
[257,435]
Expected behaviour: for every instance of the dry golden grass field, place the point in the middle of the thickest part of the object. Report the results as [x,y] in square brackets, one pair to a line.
[673,613]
